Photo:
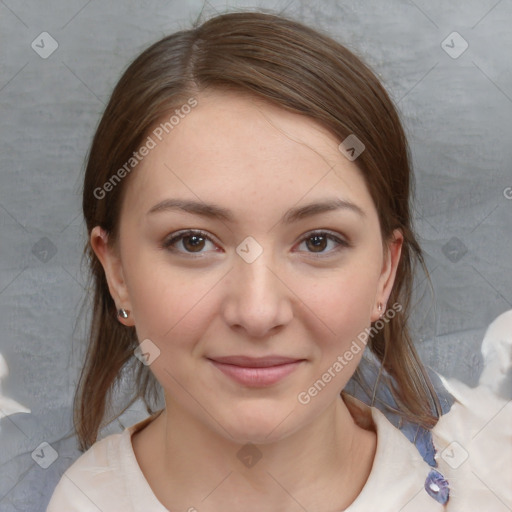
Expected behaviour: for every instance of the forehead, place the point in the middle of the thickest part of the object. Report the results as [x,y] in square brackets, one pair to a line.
[235,147]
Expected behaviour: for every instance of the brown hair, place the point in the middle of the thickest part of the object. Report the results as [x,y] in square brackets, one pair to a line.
[298,69]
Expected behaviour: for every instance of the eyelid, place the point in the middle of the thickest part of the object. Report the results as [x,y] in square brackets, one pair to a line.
[325,231]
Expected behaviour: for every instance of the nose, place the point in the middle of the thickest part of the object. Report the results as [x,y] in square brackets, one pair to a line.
[257,301]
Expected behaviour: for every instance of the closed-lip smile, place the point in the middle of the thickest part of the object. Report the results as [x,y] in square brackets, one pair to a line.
[256,371]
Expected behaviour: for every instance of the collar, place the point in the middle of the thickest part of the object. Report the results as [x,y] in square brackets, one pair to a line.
[399,475]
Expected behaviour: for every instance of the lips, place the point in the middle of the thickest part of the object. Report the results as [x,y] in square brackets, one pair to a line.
[255,362]
[256,372]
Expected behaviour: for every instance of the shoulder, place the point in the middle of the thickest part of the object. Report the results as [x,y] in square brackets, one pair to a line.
[474,439]
[94,480]
[474,448]
[472,443]
[106,478]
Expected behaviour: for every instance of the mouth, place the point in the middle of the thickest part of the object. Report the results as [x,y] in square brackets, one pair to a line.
[256,372]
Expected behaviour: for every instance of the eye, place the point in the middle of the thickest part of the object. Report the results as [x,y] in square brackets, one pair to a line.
[318,241]
[192,241]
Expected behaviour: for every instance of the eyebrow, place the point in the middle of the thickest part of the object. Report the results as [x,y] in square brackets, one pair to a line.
[292,215]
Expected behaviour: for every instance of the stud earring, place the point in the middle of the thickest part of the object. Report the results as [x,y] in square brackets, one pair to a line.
[122,313]
[379,307]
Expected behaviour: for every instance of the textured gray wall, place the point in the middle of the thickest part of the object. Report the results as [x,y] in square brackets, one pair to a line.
[456,108]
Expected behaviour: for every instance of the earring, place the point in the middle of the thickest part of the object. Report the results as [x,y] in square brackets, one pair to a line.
[122,313]
[379,307]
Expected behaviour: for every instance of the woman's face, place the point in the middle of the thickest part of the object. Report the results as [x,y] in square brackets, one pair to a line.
[265,274]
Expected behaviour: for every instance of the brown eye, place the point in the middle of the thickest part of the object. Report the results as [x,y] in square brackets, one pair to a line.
[187,242]
[318,243]
[194,243]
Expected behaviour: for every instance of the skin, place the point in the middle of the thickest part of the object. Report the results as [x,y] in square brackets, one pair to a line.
[258,161]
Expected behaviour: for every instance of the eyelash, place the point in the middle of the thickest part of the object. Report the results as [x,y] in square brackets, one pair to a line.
[168,243]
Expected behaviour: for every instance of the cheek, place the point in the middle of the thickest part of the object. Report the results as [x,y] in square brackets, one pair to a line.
[168,302]
[174,309]
[341,304]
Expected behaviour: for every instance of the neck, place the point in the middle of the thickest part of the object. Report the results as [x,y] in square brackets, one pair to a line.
[322,466]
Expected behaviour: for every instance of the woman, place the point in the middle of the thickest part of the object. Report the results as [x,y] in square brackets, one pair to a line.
[247,203]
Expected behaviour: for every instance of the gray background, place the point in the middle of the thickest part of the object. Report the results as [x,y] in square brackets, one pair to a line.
[456,112]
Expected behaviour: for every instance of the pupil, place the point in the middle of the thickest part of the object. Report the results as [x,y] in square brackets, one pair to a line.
[195,241]
[318,242]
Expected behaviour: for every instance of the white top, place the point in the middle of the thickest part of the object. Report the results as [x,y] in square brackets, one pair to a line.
[474,454]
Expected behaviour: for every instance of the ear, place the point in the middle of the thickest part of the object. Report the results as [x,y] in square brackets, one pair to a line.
[388,273]
[111,262]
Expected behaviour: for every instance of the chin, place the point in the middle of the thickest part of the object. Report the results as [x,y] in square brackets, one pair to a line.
[259,425]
